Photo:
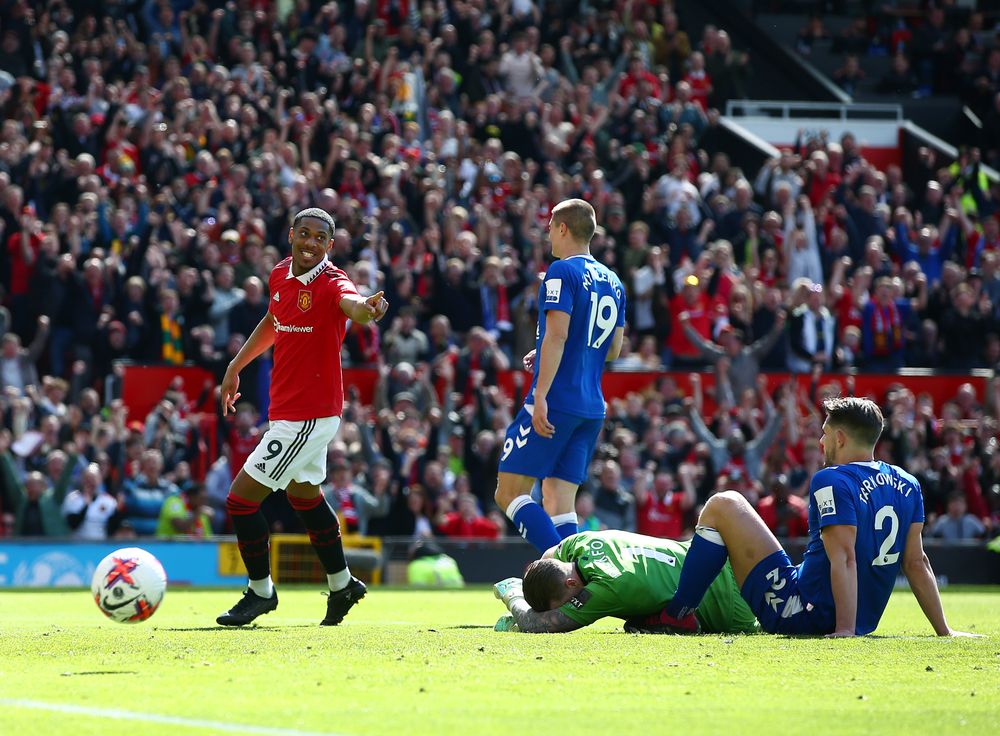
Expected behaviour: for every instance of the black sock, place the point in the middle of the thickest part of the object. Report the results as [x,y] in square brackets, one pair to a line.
[323,528]
[252,535]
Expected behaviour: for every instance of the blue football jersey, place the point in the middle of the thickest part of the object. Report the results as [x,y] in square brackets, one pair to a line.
[881,500]
[593,296]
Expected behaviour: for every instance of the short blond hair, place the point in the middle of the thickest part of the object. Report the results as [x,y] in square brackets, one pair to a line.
[579,218]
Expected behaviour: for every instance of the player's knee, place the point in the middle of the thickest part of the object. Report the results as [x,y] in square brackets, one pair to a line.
[726,501]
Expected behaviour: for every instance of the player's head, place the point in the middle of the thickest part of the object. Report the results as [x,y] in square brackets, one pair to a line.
[571,227]
[548,583]
[851,429]
[311,236]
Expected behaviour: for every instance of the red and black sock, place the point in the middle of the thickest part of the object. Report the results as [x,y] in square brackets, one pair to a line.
[323,529]
[252,535]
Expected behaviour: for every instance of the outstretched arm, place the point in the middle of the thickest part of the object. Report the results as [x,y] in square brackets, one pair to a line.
[361,310]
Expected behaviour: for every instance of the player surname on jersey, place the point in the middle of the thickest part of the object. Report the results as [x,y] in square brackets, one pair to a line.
[882,479]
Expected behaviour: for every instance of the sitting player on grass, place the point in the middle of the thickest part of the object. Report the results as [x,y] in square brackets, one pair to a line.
[595,574]
[865,523]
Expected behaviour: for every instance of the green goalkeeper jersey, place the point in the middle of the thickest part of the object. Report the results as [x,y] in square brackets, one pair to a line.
[627,575]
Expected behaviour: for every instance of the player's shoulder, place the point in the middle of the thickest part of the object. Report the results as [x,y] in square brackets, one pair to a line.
[564,268]
[833,475]
[281,266]
[331,271]
[905,475]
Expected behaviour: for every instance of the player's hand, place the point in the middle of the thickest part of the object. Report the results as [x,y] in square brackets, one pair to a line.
[845,634]
[506,623]
[528,361]
[951,632]
[508,590]
[229,392]
[377,306]
[540,419]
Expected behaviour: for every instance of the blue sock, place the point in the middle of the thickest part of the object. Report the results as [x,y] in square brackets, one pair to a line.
[565,524]
[533,523]
[703,563]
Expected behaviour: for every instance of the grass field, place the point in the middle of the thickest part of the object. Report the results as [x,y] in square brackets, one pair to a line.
[429,663]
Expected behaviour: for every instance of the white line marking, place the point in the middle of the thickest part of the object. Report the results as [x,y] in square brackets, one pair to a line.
[132,715]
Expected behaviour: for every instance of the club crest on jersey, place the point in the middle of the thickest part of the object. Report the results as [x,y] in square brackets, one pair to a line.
[305,301]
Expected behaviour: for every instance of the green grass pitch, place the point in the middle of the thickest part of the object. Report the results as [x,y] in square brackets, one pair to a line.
[408,662]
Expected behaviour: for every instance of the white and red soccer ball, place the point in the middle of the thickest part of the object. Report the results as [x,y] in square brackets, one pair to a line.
[128,585]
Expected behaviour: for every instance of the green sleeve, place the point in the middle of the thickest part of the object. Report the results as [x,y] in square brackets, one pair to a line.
[594,602]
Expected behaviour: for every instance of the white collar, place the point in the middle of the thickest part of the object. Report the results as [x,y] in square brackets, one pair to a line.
[308,276]
[588,256]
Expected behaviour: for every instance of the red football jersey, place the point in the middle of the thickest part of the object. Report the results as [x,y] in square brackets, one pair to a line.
[309,327]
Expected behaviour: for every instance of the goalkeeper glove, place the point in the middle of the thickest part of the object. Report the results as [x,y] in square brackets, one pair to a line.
[506,623]
[508,590]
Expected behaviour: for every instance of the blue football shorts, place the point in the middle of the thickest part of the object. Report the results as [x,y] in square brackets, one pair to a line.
[566,455]
[772,592]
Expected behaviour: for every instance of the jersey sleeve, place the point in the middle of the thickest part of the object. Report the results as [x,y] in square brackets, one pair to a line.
[593,602]
[559,287]
[342,286]
[831,492]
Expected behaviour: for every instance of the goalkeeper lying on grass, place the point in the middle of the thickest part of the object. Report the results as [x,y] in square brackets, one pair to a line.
[595,574]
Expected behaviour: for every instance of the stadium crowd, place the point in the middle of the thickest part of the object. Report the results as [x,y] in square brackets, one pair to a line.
[935,48]
[151,159]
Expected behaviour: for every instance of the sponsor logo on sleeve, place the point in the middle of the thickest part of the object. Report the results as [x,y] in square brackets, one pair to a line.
[824,501]
[553,290]
[580,599]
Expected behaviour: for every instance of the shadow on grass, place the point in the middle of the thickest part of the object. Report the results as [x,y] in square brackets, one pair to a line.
[469,626]
[100,672]
[275,628]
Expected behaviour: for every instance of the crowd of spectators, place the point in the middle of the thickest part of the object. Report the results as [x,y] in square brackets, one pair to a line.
[151,158]
[935,47]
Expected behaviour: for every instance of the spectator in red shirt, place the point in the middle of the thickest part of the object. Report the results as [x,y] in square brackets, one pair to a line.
[822,179]
[785,514]
[660,510]
[699,79]
[692,302]
[23,248]
[637,72]
[467,522]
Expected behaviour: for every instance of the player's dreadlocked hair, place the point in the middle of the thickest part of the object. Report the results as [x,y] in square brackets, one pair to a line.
[860,418]
[543,581]
[319,215]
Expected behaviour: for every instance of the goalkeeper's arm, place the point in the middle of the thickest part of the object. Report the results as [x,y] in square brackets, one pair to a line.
[529,620]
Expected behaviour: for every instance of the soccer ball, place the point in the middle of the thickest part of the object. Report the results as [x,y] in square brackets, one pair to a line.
[128,585]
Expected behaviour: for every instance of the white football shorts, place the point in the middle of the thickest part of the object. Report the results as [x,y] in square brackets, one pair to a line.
[292,451]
